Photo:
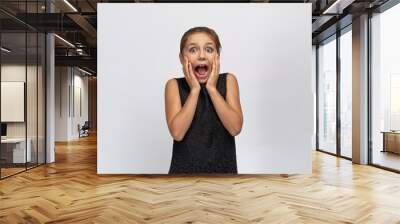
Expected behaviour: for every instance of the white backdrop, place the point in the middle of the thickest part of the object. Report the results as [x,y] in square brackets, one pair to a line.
[268,48]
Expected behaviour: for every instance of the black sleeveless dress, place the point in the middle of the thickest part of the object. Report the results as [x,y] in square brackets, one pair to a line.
[207,146]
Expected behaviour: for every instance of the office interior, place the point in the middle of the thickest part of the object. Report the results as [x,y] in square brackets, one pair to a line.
[49,74]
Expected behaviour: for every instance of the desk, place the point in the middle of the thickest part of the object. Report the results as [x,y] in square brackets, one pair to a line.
[391,141]
[15,148]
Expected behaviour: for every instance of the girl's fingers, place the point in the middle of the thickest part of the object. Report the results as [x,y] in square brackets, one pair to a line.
[184,67]
[187,66]
[187,74]
[213,68]
[191,75]
[217,65]
[190,70]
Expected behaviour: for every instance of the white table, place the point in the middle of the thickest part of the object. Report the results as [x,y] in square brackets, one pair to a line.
[19,155]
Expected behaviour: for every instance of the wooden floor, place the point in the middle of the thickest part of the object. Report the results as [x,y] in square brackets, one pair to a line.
[70,191]
[5,172]
[387,159]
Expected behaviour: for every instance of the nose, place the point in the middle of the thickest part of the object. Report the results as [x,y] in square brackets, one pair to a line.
[202,54]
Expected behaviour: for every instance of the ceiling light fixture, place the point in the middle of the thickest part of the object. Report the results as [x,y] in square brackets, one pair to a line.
[5,50]
[331,7]
[84,71]
[337,7]
[70,5]
[65,41]
[79,51]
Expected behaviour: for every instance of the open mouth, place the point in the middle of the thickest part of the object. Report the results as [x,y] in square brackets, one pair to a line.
[201,70]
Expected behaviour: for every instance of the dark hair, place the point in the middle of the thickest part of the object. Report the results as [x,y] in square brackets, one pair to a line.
[201,29]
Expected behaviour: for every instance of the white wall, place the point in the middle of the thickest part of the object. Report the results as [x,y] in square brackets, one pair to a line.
[18,73]
[267,46]
[68,81]
[61,103]
[79,117]
[33,127]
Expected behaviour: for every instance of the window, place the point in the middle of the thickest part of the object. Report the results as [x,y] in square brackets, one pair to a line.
[385,88]
[327,96]
[346,93]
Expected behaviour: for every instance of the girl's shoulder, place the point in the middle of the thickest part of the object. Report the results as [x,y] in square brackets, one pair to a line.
[175,79]
[230,75]
[175,83]
[231,81]
[171,83]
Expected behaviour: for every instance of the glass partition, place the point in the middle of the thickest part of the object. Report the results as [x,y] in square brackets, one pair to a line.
[346,93]
[327,96]
[31,100]
[22,77]
[14,153]
[41,107]
[385,89]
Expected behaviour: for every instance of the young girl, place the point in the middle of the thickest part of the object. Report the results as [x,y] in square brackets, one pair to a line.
[203,109]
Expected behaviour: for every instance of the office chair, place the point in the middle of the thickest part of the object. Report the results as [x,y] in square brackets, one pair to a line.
[84,130]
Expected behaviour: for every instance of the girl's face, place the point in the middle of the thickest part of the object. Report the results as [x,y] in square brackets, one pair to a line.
[200,50]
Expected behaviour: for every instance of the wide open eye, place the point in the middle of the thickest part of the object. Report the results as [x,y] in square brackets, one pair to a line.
[192,50]
[210,50]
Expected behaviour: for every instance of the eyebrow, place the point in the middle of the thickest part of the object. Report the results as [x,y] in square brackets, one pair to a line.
[208,43]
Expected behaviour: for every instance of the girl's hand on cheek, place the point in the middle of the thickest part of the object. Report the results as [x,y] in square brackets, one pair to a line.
[213,78]
[190,77]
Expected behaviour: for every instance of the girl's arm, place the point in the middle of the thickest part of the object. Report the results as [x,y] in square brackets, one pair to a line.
[229,111]
[179,118]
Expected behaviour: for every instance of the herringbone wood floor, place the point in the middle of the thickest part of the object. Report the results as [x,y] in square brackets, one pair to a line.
[70,191]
